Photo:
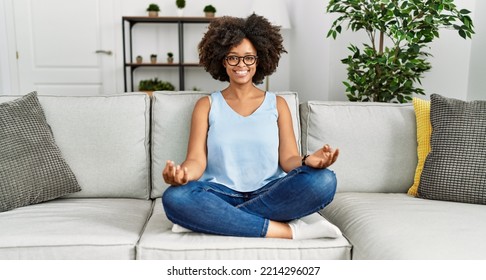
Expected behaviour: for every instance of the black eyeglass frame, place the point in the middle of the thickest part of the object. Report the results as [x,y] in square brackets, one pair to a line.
[241,58]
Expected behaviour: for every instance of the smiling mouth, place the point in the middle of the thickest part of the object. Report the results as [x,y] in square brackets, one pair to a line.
[241,72]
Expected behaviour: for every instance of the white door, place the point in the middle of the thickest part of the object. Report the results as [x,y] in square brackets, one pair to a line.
[65,46]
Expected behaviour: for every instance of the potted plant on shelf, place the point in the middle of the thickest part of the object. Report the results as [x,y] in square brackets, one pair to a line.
[181,4]
[209,10]
[170,57]
[389,73]
[151,85]
[139,59]
[153,10]
[153,58]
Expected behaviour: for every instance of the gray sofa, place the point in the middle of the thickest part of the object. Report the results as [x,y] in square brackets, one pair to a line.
[117,147]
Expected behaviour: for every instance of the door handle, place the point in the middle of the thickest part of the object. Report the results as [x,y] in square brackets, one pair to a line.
[104,52]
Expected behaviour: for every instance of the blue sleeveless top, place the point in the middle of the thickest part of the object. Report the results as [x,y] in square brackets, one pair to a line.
[242,151]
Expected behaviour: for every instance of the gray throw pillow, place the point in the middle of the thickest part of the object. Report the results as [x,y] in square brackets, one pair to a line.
[455,169]
[32,169]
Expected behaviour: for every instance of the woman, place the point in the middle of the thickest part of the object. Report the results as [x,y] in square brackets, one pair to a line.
[243,175]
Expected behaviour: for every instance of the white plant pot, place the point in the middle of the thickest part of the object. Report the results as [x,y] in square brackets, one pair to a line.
[180,12]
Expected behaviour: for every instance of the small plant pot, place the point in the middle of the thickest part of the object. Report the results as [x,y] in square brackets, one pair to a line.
[153,60]
[139,59]
[180,12]
[153,14]
[209,14]
[170,60]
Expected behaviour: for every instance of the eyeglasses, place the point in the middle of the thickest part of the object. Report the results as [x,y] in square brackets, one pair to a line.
[234,60]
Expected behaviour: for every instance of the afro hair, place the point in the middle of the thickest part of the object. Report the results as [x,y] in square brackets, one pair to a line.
[226,32]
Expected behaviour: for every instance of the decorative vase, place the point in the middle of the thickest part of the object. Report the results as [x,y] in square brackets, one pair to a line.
[153,14]
[209,14]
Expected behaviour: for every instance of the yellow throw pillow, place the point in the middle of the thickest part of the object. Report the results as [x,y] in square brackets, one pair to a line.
[424,131]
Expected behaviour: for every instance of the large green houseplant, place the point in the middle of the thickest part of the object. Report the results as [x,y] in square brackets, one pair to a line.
[391,71]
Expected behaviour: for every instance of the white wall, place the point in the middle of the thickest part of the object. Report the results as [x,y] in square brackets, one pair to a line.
[309,55]
[312,66]
[477,63]
[450,62]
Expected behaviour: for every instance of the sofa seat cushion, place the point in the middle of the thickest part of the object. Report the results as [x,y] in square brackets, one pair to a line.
[397,226]
[159,242]
[74,229]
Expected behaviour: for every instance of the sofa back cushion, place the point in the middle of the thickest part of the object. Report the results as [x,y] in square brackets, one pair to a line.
[377,142]
[171,120]
[104,140]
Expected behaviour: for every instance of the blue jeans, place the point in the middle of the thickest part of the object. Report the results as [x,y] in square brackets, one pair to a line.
[216,209]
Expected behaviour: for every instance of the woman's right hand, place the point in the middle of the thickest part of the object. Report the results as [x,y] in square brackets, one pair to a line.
[323,157]
[175,175]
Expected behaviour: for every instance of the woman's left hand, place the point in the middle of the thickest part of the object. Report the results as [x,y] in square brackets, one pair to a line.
[323,157]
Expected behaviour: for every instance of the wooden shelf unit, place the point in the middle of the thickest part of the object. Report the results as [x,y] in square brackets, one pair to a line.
[129,66]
